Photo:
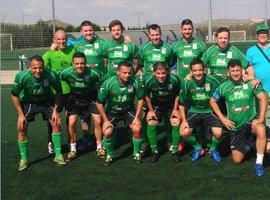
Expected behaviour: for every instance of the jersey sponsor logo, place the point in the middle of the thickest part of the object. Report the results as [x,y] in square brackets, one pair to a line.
[187,53]
[88,52]
[245,86]
[163,50]
[46,82]
[79,84]
[170,86]
[221,62]
[125,48]
[238,95]
[194,46]
[238,109]
[118,54]
[207,87]
[201,97]
[229,55]
[130,88]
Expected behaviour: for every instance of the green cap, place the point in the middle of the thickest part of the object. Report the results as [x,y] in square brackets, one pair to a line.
[262,27]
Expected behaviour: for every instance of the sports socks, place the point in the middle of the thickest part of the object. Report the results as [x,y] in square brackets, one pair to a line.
[136,145]
[152,137]
[175,138]
[56,138]
[23,148]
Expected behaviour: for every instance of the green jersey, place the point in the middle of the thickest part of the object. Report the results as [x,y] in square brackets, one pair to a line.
[117,52]
[197,95]
[162,95]
[93,52]
[240,101]
[82,86]
[32,90]
[119,98]
[217,60]
[56,61]
[149,54]
[185,53]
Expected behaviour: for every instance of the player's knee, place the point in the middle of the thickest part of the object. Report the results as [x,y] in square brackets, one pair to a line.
[175,121]
[22,136]
[237,160]
[137,135]
[136,129]
[97,121]
[152,122]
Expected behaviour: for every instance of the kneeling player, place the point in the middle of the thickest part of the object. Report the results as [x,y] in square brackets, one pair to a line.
[31,95]
[117,95]
[197,92]
[161,94]
[242,118]
[83,82]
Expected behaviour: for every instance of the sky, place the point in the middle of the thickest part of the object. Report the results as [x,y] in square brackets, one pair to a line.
[130,12]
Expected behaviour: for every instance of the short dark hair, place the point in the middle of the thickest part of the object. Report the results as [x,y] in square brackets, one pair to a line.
[196,61]
[37,58]
[86,23]
[158,65]
[124,63]
[187,22]
[116,22]
[222,29]
[78,55]
[153,27]
[234,62]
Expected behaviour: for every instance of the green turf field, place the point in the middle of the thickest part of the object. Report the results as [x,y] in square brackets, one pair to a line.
[10,59]
[88,178]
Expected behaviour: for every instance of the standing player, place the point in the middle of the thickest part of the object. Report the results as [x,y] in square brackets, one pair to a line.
[259,57]
[92,46]
[242,118]
[161,95]
[56,59]
[30,95]
[83,82]
[117,95]
[149,54]
[198,91]
[117,50]
[185,50]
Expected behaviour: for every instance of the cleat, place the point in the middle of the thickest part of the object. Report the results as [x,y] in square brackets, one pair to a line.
[138,158]
[50,148]
[84,145]
[154,157]
[170,147]
[175,157]
[71,156]
[196,155]
[59,160]
[101,152]
[215,155]
[259,169]
[181,147]
[108,160]
[23,165]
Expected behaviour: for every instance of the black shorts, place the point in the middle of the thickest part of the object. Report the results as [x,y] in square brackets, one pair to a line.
[242,140]
[127,118]
[31,110]
[196,120]
[164,113]
[82,110]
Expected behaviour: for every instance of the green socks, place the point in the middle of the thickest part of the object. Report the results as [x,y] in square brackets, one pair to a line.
[23,148]
[136,145]
[215,143]
[57,138]
[107,143]
[152,137]
[175,138]
[192,140]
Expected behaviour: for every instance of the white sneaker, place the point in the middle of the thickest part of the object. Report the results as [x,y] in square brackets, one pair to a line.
[50,148]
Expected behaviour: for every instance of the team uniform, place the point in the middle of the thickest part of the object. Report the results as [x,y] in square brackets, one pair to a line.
[149,54]
[185,53]
[93,51]
[162,96]
[216,60]
[241,109]
[35,97]
[119,104]
[117,52]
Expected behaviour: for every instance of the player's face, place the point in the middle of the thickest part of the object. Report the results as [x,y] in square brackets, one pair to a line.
[117,32]
[161,74]
[187,31]
[222,40]
[124,73]
[155,36]
[235,73]
[87,32]
[79,65]
[60,39]
[37,68]
[263,37]
[197,71]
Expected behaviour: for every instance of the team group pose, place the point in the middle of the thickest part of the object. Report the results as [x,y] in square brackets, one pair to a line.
[215,93]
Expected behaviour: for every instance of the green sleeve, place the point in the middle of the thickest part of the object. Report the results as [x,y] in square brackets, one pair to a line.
[139,89]
[258,89]
[205,58]
[17,86]
[56,83]
[103,93]
[46,58]
[183,93]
